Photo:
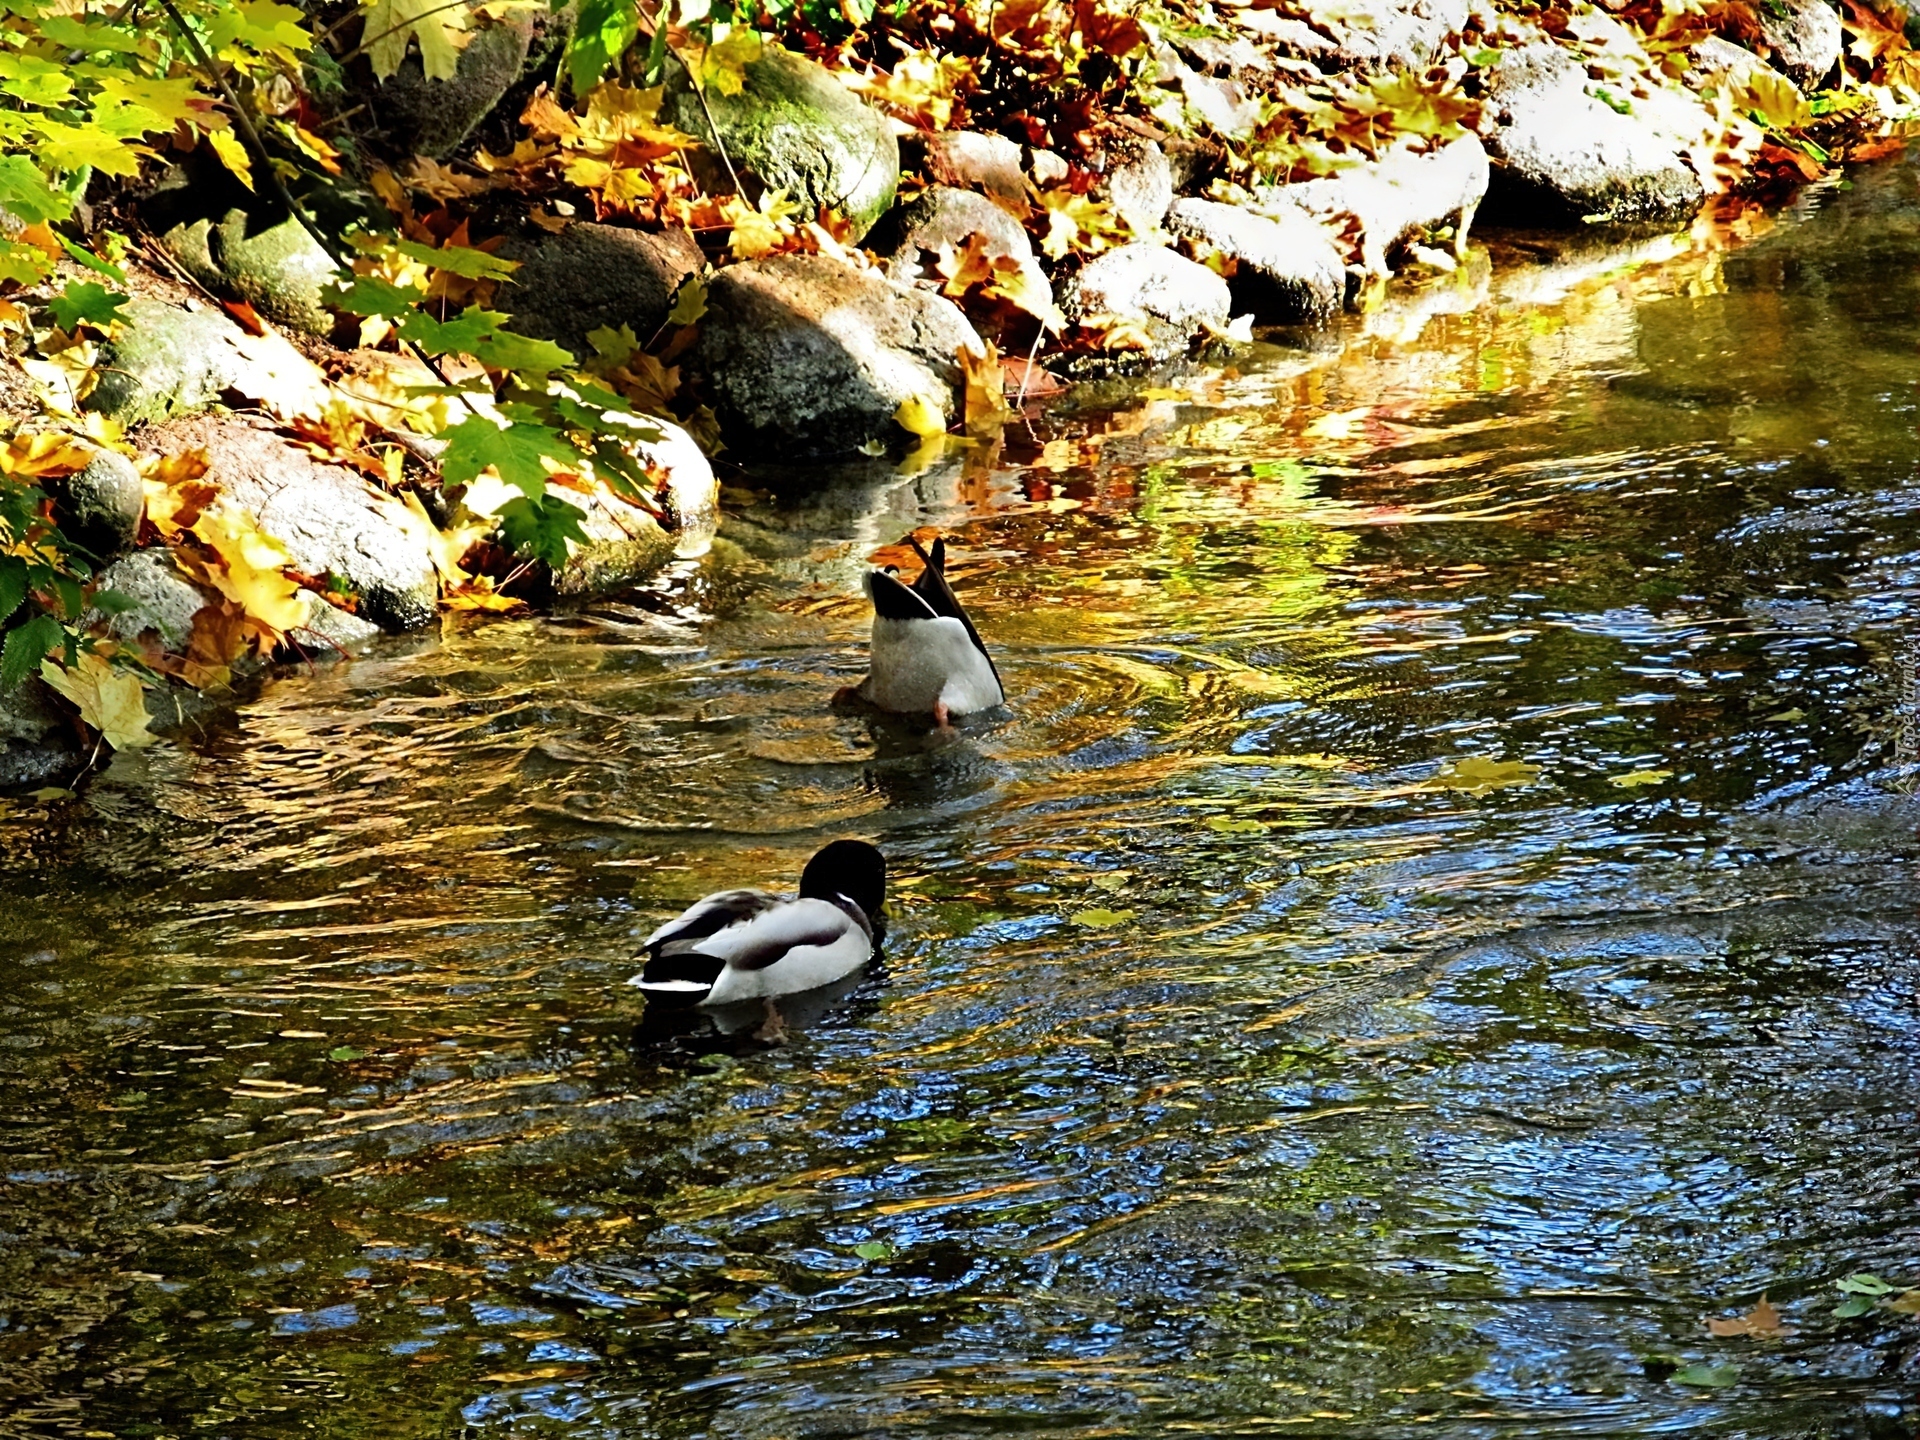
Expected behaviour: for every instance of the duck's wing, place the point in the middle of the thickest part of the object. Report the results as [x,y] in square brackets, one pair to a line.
[707,917]
[932,587]
[785,931]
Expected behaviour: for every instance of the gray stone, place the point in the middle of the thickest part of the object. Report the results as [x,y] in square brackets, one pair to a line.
[1229,57]
[331,521]
[806,358]
[1287,268]
[1169,296]
[1366,35]
[432,117]
[589,276]
[1399,198]
[327,631]
[1801,36]
[165,361]
[798,129]
[968,160]
[37,744]
[1048,169]
[164,600]
[102,504]
[1138,183]
[279,270]
[1714,57]
[1561,157]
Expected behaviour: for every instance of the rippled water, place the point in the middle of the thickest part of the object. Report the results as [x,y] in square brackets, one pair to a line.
[1437,924]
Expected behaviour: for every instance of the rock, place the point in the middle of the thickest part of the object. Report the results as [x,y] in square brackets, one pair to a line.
[969,160]
[1399,197]
[1714,57]
[1172,298]
[101,506]
[1801,36]
[1048,169]
[1367,34]
[944,218]
[331,521]
[164,600]
[1230,108]
[1138,183]
[432,117]
[327,632]
[807,358]
[171,360]
[1287,267]
[798,129]
[37,744]
[1564,158]
[590,276]
[1228,57]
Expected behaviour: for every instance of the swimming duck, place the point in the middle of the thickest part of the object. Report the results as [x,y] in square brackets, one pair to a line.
[749,945]
[926,657]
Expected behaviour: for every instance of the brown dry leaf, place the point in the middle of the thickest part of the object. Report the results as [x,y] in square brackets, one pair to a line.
[176,493]
[432,178]
[1762,1323]
[1021,376]
[220,636]
[1117,332]
[245,315]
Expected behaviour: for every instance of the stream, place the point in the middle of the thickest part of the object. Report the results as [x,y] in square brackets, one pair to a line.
[1436,925]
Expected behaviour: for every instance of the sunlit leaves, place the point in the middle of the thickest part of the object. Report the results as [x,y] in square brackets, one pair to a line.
[543,528]
[601,34]
[24,191]
[252,572]
[438,28]
[1481,774]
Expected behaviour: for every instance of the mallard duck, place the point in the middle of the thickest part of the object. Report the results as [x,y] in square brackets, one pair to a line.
[738,945]
[926,657]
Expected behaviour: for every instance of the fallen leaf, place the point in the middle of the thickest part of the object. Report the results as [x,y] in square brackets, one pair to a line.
[873,1250]
[1227,826]
[1098,919]
[450,546]
[1762,1322]
[1478,774]
[479,594]
[983,403]
[1714,1377]
[1635,778]
[920,416]
[1111,880]
[248,318]
[252,572]
[109,700]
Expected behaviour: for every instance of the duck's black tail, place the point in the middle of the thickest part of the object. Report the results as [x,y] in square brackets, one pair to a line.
[685,976]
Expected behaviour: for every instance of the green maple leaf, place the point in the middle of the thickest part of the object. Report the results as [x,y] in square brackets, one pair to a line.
[259,25]
[601,35]
[26,646]
[92,35]
[370,295]
[516,452]
[462,333]
[86,301]
[504,350]
[33,81]
[541,528]
[25,191]
[458,260]
[23,263]
[77,147]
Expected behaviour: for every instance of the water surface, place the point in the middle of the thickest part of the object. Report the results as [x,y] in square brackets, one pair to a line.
[1437,924]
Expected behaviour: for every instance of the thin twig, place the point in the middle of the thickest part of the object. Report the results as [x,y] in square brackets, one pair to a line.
[280,190]
[699,93]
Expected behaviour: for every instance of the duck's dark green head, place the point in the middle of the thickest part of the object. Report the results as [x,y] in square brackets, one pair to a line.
[852,868]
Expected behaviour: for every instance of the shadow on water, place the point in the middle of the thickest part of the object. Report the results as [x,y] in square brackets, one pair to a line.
[1435,924]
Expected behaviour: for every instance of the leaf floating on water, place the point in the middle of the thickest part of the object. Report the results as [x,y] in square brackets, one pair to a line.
[1112,880]
[1707,1377]
[1907,1302]
[1635,778]
[109,700]
[919,416]
[1864,1292]
[1228,826]
[1794,714]
[1762,1323]
[873,1250]
[346,1052]
[1478,774]
[1098,919]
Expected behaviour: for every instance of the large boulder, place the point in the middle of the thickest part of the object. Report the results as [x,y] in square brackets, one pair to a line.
[1399,197]
[1562,157]
[1286,268]
[431,117]
[805,357]
[1169,297]
[589,276]
[331,521]
[798,129]
[167,360]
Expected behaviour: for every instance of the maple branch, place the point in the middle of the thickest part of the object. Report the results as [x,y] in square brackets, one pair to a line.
[280,190]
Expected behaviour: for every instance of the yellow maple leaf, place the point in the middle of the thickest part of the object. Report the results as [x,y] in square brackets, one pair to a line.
[759,230]
[109,700]
[440,29]
[48,453]
[448,547]
[920,416]
[1078,222]
[479,595]
[252,569]
[724,66]
[984,401]
[232,154]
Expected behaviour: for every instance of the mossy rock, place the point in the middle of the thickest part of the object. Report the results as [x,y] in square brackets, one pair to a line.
[798,129]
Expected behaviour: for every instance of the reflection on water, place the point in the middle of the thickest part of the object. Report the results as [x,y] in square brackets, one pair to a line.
[1436,925]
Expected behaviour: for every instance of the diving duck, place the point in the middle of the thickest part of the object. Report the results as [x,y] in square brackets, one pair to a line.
[926,656]
[738,945]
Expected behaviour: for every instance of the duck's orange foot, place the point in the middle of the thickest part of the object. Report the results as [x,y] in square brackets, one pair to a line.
[941,719]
